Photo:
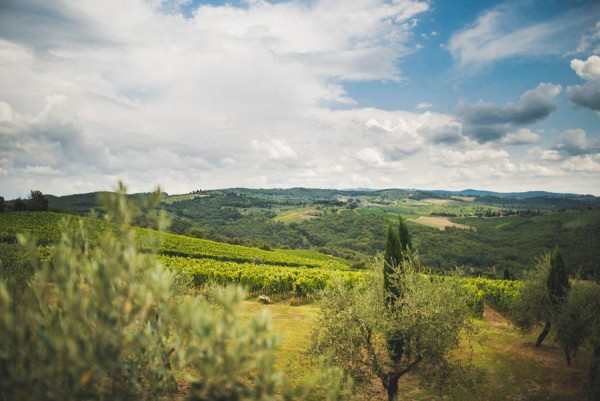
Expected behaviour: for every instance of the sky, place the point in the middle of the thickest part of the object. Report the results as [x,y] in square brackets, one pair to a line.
[189,94]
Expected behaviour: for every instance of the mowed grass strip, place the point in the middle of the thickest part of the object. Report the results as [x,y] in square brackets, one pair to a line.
[293,323]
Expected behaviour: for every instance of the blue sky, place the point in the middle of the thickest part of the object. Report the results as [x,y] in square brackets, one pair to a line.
[496,95]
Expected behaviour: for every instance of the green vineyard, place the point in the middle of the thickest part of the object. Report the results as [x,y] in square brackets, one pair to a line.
[260,278]
[45,228]
[280,273]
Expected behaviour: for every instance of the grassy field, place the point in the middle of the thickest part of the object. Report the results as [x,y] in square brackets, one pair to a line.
[514,369]
[439,222]
[294,215]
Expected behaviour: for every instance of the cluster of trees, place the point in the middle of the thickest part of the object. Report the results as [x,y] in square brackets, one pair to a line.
[507,212]
[513,243]
[572,311]
[397,320]
[37,202]
[219,218]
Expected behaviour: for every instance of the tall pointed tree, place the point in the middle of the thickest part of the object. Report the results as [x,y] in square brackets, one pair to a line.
[557,285]
[392,261]
[397,251]
[558,278]
[405,242]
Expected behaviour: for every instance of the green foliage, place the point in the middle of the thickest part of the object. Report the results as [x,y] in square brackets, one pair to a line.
[2,204]
[46,229]
[405,241]
[578,324]
[38,202]
[579,320]
[92,325]
[260,278]
[393,249]
[391,263]
[101,321]
[515,242]
[397,250]
[533,306]
[16,269]
[20,205]
[543,292]
[244,216]
[355,323]
[558,279]
[501,294]
[178,245]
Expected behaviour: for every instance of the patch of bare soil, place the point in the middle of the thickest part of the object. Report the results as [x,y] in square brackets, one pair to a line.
[494,317]
[438,201]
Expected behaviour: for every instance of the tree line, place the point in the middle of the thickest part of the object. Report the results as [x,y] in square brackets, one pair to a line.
[36,202]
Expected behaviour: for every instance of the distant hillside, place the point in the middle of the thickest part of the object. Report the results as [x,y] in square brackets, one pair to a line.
[515,195]
[78,203]
[508,232]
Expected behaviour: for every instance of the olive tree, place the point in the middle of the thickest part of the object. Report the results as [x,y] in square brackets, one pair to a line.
[356,323]
[578,324]
[543,291]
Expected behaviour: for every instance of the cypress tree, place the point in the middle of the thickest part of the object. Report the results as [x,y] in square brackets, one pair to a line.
[396,247]
[392,259]
[405,242]
[558,279]
[557,285]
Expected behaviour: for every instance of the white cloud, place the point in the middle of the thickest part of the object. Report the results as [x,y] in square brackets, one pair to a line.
[590,43]
[574,142]
[540,170]
[137,80]
[522,136]
[588,69]
[469,158]
[41,170]
[503,32]
[588,94]
[583,164]
[276,149]
[370,156]
[537,153]
[573,156]
[251,95]
[485,122]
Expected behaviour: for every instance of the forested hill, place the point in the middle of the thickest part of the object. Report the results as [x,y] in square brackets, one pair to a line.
[82,203]
[485,234]
[515,195]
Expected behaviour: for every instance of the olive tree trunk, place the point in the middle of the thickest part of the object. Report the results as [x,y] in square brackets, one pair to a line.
[543,334]
[390,383]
